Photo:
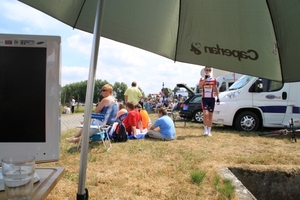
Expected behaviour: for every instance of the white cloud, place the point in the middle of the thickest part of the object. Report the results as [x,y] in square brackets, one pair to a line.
[71,73]
[81,42]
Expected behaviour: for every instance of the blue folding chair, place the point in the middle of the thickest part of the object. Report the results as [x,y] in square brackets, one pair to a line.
[103,128]
[99,121]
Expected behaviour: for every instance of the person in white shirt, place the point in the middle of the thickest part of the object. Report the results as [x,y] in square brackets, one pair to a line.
[73,103]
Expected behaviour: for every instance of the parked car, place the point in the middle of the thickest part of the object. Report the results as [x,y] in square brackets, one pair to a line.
[191,109]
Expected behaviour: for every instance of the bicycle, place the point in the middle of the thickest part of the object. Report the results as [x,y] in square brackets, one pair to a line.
[283,132]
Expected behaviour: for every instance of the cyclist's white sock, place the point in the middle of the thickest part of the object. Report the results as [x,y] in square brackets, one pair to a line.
[205,130]
[208,130]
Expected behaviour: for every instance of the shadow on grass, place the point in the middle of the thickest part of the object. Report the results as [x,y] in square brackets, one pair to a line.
[182,124]
[188,136]
[73,150]
[232,130]
[92,145]
[154,140]
[188,124]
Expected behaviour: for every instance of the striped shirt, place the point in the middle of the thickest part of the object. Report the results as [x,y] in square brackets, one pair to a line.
[208,88]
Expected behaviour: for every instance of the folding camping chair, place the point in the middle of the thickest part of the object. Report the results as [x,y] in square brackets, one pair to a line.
[172,112]
[100,123]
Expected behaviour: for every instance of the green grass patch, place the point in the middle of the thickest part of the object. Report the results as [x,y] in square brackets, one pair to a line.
[197,176]
[224,187]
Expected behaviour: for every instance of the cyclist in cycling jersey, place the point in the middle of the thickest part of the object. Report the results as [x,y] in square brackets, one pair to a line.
[209,90]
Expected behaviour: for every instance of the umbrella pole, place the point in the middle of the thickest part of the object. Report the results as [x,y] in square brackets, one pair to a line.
[82,193]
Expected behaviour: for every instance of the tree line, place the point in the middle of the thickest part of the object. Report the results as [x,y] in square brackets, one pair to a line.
[78,90]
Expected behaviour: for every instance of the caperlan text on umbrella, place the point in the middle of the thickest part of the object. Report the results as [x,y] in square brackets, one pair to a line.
[249,54]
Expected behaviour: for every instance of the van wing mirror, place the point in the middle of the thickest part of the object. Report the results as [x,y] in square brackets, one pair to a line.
[258,85]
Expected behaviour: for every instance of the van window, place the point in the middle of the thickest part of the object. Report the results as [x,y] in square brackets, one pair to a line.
[223,87]
[271,86]
[241,82]
[265,85]
[275,86]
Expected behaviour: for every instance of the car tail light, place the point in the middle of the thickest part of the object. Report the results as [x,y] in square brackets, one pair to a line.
[184,106]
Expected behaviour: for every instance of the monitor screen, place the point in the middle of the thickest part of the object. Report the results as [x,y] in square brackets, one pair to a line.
[30,96]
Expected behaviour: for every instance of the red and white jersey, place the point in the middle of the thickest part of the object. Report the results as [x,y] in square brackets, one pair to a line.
[208,88]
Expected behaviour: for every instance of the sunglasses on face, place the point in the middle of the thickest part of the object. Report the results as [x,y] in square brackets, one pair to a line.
[208,70]
[103,90]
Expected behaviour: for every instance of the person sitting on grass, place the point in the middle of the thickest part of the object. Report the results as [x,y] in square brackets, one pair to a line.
[163,128]
[133,120]
[122,113]
[103,106]
[144,116]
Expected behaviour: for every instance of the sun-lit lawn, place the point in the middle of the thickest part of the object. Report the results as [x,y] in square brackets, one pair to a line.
[185,168]
[77,109]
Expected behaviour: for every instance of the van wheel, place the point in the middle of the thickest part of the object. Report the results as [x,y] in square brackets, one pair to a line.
[247,121]
[198,116]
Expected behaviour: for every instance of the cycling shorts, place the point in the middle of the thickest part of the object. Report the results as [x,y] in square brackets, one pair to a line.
[208,104]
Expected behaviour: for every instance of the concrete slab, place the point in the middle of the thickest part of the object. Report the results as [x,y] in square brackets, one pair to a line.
[241,191]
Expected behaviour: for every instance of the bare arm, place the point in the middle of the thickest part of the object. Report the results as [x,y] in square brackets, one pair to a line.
[201,83]
[153,128]
[104,102]
[217,91]
[125,97]
[140,126]
[140,95]
[120,112]
[133,130]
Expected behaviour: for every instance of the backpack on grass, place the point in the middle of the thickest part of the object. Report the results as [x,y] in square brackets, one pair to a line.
[120,134]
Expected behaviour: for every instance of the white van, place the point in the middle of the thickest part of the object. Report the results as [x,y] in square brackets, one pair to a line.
[252,103]
[224,82]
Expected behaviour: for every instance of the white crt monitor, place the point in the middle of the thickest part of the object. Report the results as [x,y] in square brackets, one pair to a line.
[30,96]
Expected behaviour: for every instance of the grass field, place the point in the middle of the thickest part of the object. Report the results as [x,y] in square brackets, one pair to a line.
[185,168]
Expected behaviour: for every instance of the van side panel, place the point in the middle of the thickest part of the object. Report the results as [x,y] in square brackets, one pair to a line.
[293,105]
[273,104]
[276,102]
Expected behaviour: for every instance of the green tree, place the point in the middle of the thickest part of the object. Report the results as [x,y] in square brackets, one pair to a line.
[78,90]
[119,90]
[166,91]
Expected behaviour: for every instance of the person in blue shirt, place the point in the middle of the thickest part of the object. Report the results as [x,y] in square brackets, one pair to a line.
[163,128]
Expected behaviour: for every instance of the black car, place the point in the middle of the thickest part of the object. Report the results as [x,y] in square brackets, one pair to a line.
[191,108]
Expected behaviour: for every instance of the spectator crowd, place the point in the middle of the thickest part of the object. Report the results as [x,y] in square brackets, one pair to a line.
[134,114]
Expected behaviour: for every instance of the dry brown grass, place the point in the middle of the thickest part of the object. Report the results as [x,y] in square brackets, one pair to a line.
[151,169]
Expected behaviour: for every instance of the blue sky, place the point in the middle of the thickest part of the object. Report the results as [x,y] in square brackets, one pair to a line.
[117,62]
